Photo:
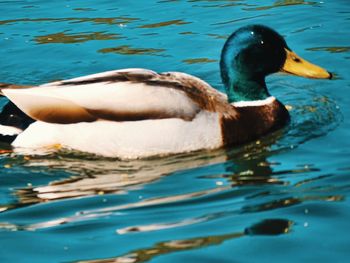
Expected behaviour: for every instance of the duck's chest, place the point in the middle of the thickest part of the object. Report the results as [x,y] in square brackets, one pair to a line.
[253,121]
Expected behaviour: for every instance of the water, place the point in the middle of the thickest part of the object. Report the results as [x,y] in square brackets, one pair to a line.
[283,198]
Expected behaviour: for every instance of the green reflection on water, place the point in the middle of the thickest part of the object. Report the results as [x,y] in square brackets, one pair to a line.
[128,50]
[187,33]
[217,36]
[97,20]
[330,49]
[65,38]
[163,248]
[84,9]
[214,1]
[218,3]
[265,227]
[282,4]
[165,23]
[199,60]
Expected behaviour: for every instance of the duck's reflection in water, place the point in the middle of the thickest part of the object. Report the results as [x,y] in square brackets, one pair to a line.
[106,176]
[94,176]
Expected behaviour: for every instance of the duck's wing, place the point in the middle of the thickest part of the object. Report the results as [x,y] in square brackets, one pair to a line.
[121,95]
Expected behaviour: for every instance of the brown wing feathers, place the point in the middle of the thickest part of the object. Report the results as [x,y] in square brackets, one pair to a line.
[200,92]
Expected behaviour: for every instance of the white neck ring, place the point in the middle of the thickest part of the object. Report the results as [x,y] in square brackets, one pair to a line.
[254,103]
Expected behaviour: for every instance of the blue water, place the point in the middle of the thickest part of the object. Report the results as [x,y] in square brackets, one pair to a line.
[284,198]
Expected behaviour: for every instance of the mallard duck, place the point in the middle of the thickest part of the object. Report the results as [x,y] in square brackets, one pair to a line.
[136,113]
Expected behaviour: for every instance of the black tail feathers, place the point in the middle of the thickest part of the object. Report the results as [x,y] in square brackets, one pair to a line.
[12,118]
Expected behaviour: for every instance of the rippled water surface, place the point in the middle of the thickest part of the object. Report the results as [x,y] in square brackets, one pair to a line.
[283,198]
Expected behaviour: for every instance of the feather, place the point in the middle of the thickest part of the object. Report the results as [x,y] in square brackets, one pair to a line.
[121,95]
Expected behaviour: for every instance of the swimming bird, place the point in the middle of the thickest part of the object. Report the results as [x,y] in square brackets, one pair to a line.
[136,113]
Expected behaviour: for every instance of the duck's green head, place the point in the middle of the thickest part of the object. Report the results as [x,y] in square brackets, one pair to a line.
[253,52]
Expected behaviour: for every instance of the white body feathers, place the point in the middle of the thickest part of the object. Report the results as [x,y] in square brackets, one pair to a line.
[127,140]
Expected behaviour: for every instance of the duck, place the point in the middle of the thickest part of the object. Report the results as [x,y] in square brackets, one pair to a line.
[139,113]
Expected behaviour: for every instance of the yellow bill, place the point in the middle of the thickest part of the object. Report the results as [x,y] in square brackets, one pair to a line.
[298,66]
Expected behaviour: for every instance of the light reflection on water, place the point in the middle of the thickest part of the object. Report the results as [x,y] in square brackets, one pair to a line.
[291,185]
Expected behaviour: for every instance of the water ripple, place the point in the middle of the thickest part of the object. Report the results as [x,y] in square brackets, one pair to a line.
[97,20]
[265,227]
[177,22]
[64,38]
[282,3]
[128,50]
[331,49]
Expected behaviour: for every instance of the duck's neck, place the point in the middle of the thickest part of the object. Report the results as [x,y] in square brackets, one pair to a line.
[240,87]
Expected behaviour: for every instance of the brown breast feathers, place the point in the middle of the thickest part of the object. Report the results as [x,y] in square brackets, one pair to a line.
[253,122]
